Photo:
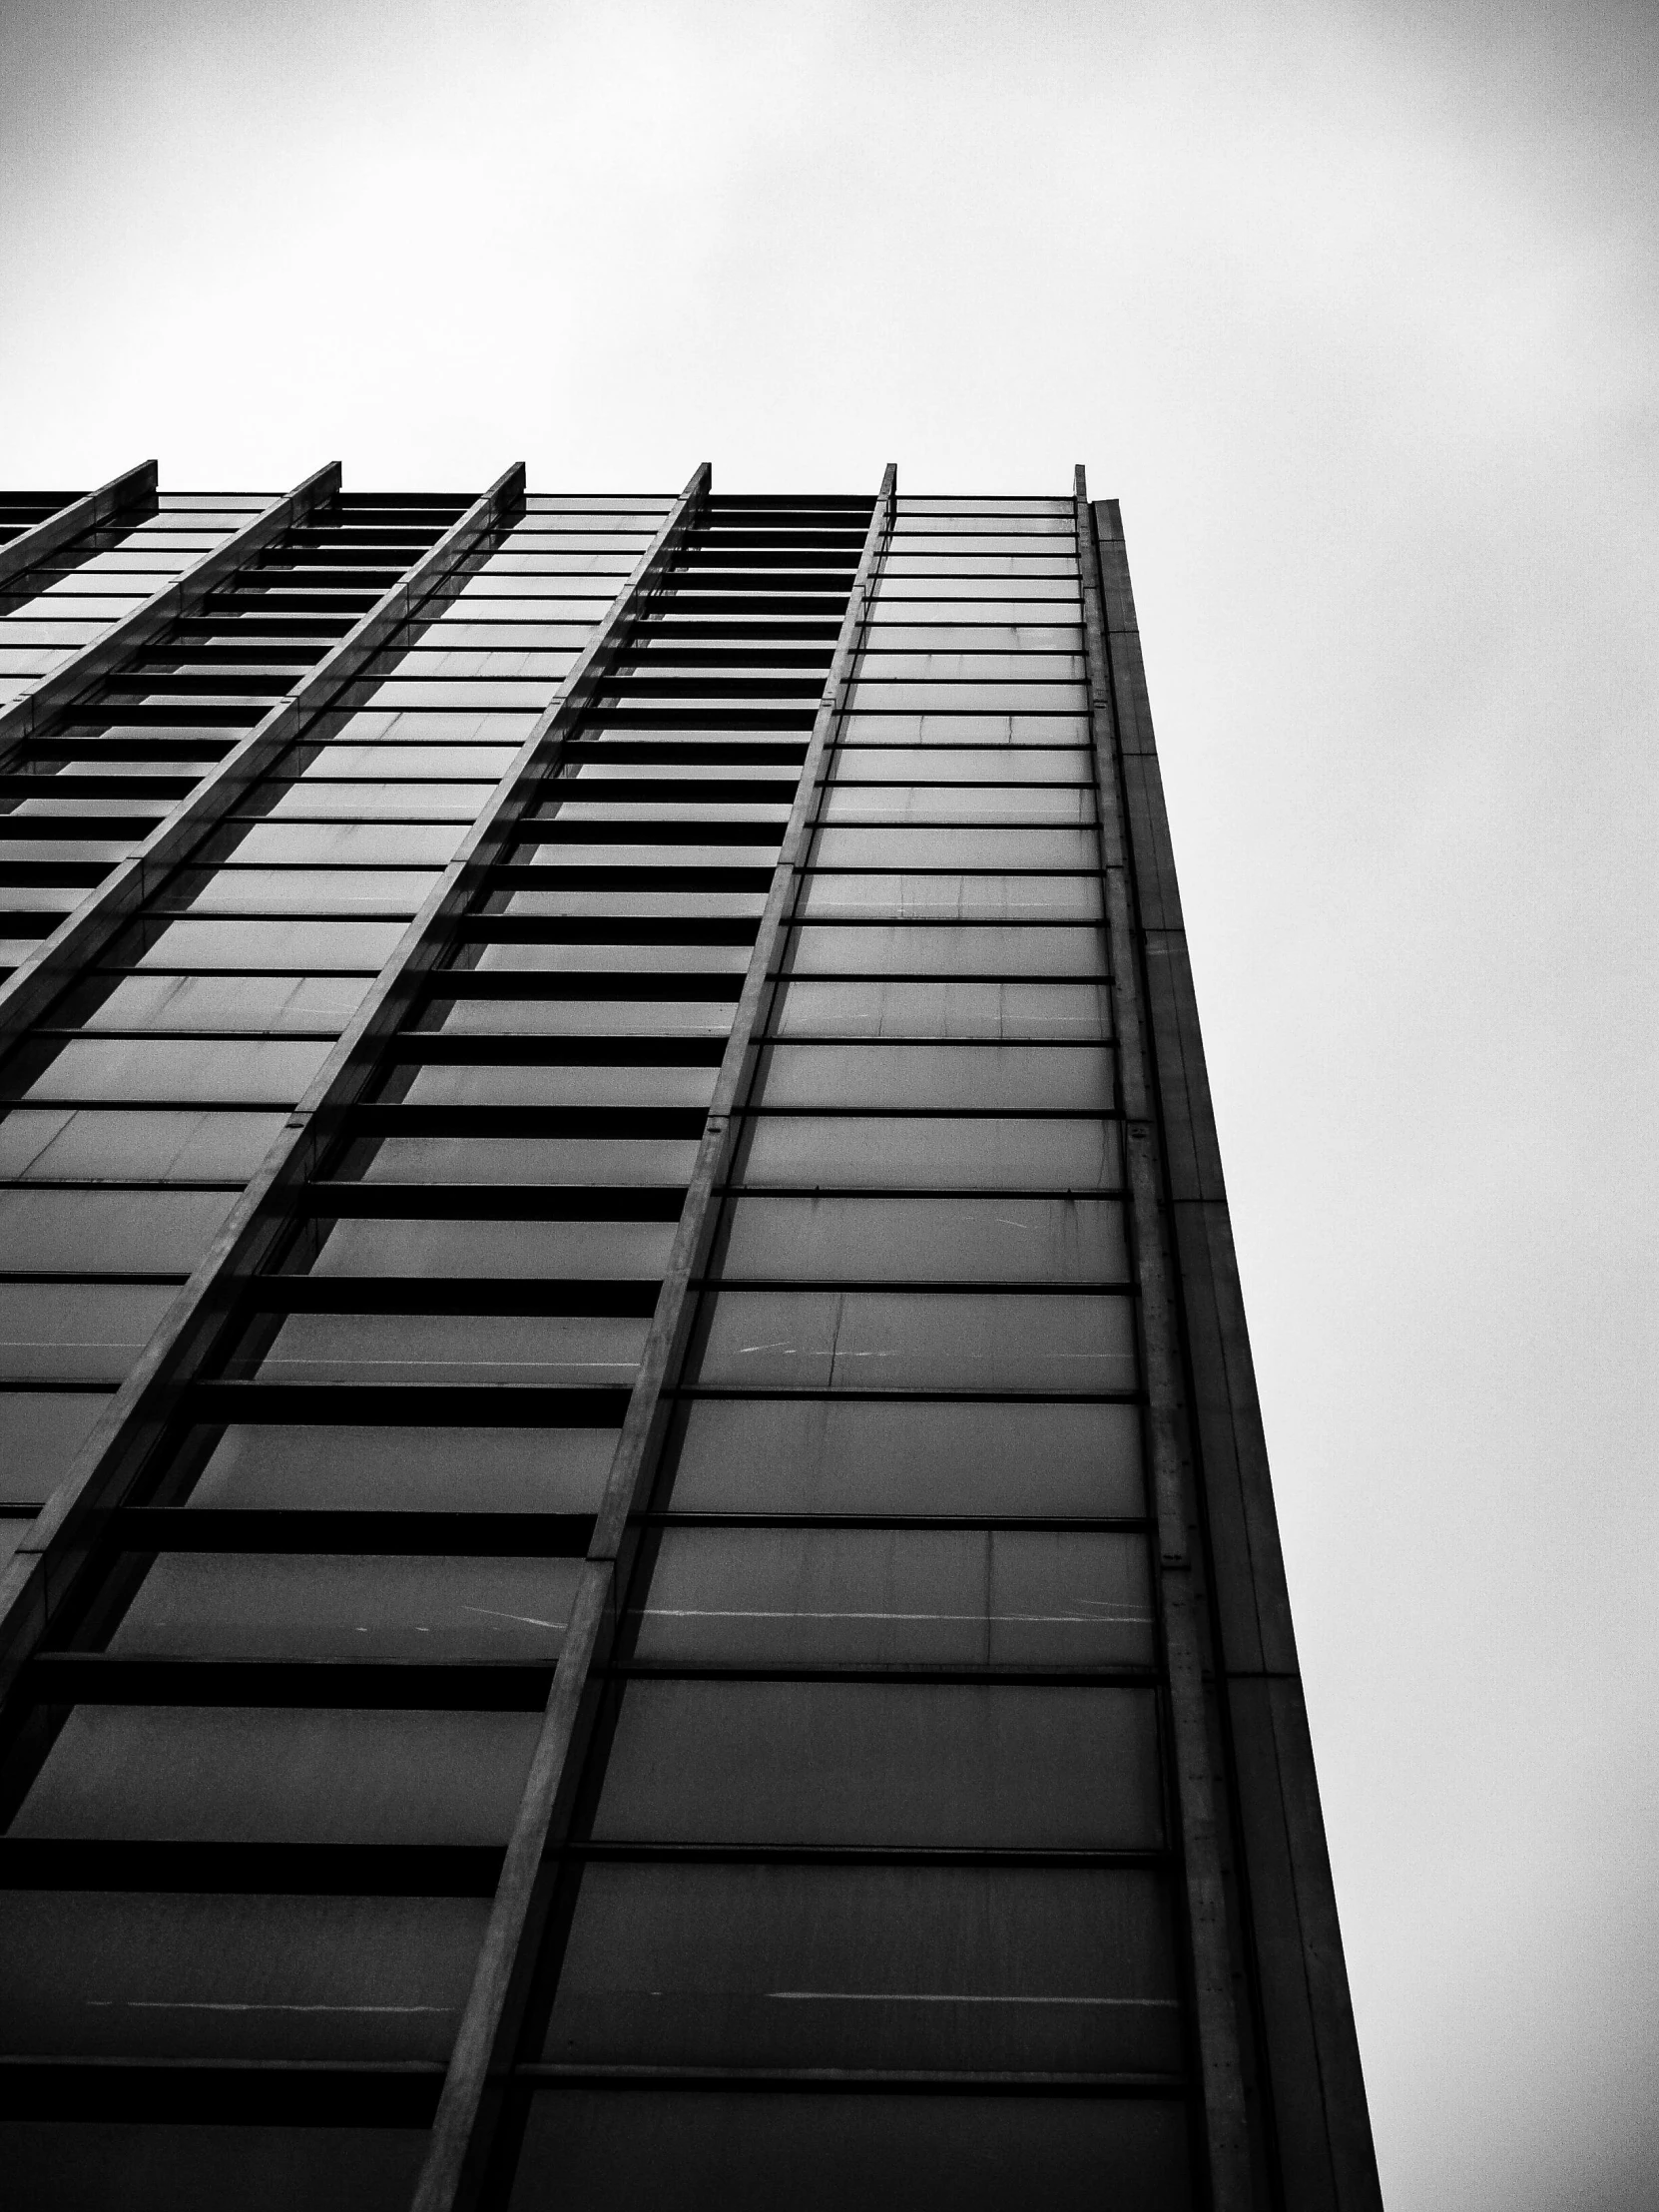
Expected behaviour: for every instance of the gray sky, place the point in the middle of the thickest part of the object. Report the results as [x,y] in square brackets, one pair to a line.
[1355,309]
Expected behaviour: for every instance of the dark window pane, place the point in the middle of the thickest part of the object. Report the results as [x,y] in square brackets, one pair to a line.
[455,1348]
[285,892]
[40,1433]
[913,1009]
[949,897]
[823,1150]
[278,942]
[86,2164]
[889,1597]
[1001,847]
[580,1017]
[898,1238]
[180,1069]
[953,1969]
[1027,804]
[426,1471]
[115,1231]
[671,2151]
[358,844]
[245,1003]
[855,1456]
[294,1605]
[1044,1342]
[501,1247]
[107,1974]
[170,1146]
[76,1331]
[563,1086]
[533,1159]
[987,1077]
[912,1763]
[942,948]
[247,1774]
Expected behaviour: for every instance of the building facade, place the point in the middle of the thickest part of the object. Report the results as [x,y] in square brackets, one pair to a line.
[642,1568]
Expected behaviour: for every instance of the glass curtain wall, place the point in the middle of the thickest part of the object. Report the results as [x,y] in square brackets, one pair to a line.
[259,1787]
[868,1894]
[132,1117]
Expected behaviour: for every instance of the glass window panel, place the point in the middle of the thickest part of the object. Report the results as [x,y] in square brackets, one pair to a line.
[482,765]
[821,1151]
[910,724]
[948,898]
[903,1239]
[582,959]
[64,1144]
[455,1348]
[446,801]
[1050,1342]
[317,1467]
[274,942]
[40,1433]
[274,1774]
[945,568]
[432,693]
[182,1068]
[918,1764]
[110,1974]
[580,1017]
[966,660]
[641,906]
[572,1249]
[639,853]
[967,630]
[948,1969]
[76,1331]
[920,948]
[1001,847]
[563,1086]
[916,1009]
[859,1456]
[245,1003]
[896,1597]
[648,2150]
[870,694]
[355,843]
[991,1078]
[898,804]
[291,1605]
[1046,608]
[164,2166]
[532,1160]
[109,1232]
[1007,766]
[262,890]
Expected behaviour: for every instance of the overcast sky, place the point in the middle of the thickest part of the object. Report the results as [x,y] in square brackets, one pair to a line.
[1356,309]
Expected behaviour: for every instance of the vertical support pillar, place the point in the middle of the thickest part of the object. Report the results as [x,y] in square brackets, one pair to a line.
[1315,2152]
[1221,2080]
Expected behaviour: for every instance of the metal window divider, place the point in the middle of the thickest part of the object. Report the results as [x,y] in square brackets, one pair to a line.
[1220,2068]
[456,2153]
[95,508]
[33,1584]
[84,933]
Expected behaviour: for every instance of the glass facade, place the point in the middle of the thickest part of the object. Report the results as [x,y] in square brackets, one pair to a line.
[626,1583]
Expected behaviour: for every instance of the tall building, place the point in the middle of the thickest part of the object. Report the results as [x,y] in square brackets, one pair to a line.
[644,1566]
